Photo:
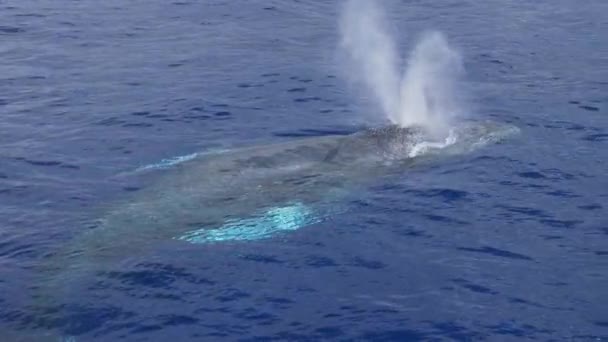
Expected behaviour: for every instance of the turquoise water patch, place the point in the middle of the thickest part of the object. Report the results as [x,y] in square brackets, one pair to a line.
[273,221]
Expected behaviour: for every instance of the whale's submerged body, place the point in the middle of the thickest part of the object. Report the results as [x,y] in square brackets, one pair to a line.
[247,194]
[257,192]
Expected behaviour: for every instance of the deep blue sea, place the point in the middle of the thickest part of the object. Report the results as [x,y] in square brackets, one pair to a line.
[506,243]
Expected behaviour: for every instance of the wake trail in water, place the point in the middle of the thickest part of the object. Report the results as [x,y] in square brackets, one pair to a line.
[425,94]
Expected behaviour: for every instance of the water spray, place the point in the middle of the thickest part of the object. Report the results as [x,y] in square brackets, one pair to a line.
[425,93]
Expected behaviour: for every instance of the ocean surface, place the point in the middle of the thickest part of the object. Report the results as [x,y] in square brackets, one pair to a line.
[508,242]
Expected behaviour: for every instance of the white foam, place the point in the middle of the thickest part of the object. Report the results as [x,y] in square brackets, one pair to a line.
[424,147]
[167,163]
[465,138]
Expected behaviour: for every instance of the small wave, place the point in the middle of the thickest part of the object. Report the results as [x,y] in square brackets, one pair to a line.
[166,163]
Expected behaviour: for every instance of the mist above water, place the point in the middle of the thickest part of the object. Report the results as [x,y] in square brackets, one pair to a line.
[418,92]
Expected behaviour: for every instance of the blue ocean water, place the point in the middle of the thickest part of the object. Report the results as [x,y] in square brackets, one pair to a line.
[509,242]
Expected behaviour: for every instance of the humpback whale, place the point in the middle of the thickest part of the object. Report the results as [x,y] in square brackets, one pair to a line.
[256,192]
[245,194]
